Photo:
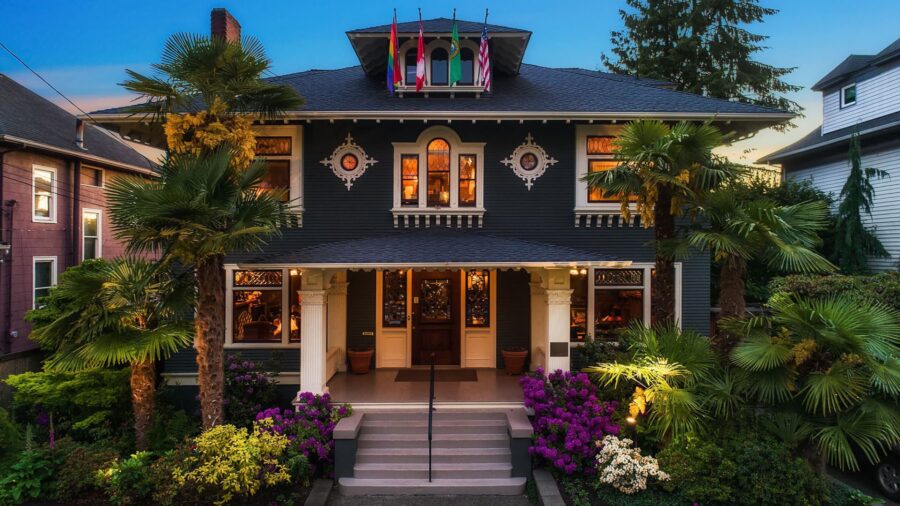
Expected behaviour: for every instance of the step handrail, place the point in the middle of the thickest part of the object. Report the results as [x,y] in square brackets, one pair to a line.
[430,414]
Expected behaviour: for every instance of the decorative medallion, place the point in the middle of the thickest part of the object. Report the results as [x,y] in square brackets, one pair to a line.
[529,161]
[349,161]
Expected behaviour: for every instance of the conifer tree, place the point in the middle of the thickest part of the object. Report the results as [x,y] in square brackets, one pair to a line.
[703,47]
[854,243]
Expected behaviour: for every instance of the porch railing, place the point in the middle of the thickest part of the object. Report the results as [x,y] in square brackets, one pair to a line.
[430,413]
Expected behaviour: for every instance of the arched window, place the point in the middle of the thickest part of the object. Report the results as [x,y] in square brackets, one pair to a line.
[411,67]
[438,172]
[439,67]
[467,57]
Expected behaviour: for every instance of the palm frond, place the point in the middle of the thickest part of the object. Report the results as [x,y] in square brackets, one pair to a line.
[761,353]
[833,390]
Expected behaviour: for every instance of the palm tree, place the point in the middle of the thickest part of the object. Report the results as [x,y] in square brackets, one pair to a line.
[736,231]
[829,371]
[198,209]
[661,169]
[197,71]
[124,312]
[677,377]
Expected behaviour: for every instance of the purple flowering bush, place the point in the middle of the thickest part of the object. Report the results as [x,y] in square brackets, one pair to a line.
[568,419]
[309,428]
[247,389]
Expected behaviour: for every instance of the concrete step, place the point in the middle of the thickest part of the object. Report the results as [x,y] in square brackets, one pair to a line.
[407,486]
[439,455]
[438,471]
[438,415]
[420,440]
[438,426]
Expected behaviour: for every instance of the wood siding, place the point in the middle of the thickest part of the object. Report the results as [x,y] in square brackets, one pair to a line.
[876,96]
[830,175]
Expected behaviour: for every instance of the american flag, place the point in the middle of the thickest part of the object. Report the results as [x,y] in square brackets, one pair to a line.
[484,61]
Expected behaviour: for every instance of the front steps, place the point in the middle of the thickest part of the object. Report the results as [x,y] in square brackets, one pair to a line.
[470,455]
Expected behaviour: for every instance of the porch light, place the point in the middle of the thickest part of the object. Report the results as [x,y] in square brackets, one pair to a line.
[294,272]
[582,272]
[573,272]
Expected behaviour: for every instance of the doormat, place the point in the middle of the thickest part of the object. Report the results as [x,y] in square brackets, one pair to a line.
[441,375]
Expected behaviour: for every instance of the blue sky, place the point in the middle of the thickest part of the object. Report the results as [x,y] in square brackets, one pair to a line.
[82,47]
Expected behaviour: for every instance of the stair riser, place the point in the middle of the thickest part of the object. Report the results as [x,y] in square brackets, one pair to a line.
[385,487]
[437,416]
[437,459]
[422,443]
[399,429]
[460,474]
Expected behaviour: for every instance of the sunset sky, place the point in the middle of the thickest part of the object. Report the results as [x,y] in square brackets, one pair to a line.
[84,47]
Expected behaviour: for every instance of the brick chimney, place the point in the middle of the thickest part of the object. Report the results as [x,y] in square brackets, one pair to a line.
[224,25]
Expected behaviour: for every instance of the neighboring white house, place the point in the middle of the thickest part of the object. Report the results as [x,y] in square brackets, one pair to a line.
[861,94]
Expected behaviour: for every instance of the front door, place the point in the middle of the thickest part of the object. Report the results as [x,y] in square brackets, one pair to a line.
[435,317]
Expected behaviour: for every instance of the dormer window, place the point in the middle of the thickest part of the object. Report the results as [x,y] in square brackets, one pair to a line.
[440,67]
[467,61]
[410,58]
[437,65]
[439,175]
[848,95]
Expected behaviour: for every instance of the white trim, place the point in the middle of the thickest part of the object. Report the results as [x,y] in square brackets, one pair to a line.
[99,236]
[383,334]
[296,157]
[610,264]
[529,147]
[53,275]
[855,98]
[54,193]
[349,147]
[285,309]
[420,149]
[582,206]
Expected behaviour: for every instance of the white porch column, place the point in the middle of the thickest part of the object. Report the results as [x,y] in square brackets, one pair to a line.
[337,319]
[559,300]
[540,343]
[313,331]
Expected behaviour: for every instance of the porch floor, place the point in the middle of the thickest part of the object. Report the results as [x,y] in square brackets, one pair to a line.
[379,387]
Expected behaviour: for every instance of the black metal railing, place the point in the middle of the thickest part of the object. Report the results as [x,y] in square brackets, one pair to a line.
[430,414]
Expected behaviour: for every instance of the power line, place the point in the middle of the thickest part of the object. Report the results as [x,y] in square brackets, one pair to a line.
[60,193]
[20,60]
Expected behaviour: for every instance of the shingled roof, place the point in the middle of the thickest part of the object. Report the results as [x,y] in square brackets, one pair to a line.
[26,116]
[859,65]
[440,25]
[433,248]
[560,92]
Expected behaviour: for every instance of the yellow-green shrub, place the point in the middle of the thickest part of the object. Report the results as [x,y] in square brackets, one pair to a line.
[228,462]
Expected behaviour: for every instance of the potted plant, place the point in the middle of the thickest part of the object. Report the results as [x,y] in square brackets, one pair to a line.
[514,360]
[360,360]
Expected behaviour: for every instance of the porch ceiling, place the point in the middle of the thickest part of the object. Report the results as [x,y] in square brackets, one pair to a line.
[434,249]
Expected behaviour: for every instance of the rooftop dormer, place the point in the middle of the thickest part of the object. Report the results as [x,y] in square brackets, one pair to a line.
[507,48]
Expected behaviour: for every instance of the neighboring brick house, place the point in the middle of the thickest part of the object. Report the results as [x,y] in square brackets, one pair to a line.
[54,168]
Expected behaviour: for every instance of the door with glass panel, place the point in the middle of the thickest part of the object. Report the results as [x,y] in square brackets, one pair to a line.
[435,317]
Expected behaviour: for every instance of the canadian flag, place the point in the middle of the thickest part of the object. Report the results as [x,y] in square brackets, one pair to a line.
[420,60]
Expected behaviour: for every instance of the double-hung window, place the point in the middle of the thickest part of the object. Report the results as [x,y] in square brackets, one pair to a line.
[595,153]
[43,278]
[44,190]
[278,147]
[90,234]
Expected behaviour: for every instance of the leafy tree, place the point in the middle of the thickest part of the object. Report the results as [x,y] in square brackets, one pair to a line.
[703,47]
[201,82]
[736,231]
[677,377]
[661,169]
[854,243]
[828,370]
[116,313]
[198,209]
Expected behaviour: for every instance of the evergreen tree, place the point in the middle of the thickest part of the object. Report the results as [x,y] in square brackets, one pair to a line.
[854,243]
[702,47]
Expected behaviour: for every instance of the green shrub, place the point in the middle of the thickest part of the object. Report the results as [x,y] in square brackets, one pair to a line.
[10,439]
[842,495]
[90,405]
[128,481]
[739,468]
[77,479]
[884,287]
[32,477]
[171,427]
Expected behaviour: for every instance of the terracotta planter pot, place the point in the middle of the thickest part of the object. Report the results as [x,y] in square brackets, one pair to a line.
[514,360]
[360,360]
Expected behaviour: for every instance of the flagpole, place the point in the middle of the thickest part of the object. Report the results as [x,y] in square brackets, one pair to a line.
[485,17]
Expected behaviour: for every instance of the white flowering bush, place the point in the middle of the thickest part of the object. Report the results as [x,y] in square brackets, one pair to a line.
[622,467]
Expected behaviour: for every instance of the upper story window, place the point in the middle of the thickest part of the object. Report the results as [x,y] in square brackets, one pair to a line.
[44,188]
[410,58]
[467,61]
[92,177]
[594,152]
[279,148]
[440,67]
[43,278]
[848,95]
[600,158]
[90,234]
[438,173]
[437,62]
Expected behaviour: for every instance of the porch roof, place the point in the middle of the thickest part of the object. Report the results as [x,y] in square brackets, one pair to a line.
[436,248]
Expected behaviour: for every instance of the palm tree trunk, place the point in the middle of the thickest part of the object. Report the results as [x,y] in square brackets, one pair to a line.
[143,399]
[210,339]
[731,287]
[663,298]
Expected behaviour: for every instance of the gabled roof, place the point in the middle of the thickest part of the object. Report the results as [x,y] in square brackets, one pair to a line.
[433,248]
[440,25]
[815,142]
[857,64]
[537,92]
[29,118]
